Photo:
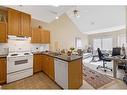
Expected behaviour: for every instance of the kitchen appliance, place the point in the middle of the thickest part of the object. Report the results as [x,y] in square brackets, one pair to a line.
[18,38]
[19,65]
[61,73]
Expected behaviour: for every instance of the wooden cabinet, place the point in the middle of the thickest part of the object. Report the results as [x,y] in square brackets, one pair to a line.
[37,66]
[3,73]
[45,36]
[26,24]
[75,74]
[45,64]
[14,22]
[19,23]
[48,65]
[36,35]
[40,35]
[3,32]
[51,68]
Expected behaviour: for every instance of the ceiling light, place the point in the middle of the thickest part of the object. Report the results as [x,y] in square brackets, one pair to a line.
[57,17]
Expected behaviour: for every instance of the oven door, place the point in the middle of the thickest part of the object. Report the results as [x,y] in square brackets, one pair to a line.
[18,63]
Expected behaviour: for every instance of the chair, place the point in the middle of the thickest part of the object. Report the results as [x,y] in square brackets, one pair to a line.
[103,57]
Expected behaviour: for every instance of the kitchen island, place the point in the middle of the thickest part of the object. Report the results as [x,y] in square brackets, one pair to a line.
[65,70]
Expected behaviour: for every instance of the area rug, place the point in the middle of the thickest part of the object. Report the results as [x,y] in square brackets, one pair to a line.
[95,79]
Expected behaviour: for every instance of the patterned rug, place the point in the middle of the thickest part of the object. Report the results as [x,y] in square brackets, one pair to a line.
[94,78]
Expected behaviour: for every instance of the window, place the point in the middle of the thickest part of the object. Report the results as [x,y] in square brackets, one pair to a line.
[107,43]
[102,43]
[78,43]
[121,39]
[96,44]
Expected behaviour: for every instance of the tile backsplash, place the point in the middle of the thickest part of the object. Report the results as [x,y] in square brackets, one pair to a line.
[22,45]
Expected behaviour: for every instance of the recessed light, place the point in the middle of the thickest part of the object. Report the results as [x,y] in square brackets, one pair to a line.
[57,17]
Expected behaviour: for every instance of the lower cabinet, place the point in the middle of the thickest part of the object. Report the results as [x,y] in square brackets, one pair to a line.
[44,63]
[3,70]
[37,60]
[48,65]
[51,67]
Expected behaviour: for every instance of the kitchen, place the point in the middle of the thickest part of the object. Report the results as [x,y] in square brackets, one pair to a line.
[25,51]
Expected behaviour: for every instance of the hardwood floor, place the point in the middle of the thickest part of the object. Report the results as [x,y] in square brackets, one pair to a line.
[41,81]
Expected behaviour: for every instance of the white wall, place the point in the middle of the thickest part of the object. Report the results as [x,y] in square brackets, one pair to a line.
[22,46]
[63,33]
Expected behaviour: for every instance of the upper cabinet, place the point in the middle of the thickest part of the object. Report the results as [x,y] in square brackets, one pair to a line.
[40,35]
[36,35]
[26,24]
[14,22]
[3,25]
[46,36]
[3,32]
[19,23]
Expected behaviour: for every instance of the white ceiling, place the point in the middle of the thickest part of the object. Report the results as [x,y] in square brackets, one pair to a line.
[44,13]
[96,19]
[93,19]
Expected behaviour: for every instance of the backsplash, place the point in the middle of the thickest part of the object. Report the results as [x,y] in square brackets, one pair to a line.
[21,46]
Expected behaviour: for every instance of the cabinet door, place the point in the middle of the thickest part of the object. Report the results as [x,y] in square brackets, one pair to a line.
[36,35]
[45,37]
[37,66]
[14,22]
[2,70]
[51,67]
[42,36]
[3,32]
[25,24]
[45,65]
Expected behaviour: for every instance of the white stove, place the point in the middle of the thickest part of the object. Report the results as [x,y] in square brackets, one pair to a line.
[16,54]
[19,65]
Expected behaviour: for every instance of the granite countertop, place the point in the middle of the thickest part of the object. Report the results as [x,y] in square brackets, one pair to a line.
[3,56]
[63,57]
[68,58]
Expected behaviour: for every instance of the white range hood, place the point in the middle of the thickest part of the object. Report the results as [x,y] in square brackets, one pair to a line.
[19,38]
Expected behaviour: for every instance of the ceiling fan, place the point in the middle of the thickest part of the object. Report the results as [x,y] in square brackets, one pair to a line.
[76,12]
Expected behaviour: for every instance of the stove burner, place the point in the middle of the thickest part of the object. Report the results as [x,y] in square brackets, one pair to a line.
[14,54]
[26,53]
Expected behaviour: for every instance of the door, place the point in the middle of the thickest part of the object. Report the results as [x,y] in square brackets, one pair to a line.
[36,35]
[25,24]
[3,32]
[14,22]
[47,37]
[2,70]
[45,64]
[37,66]
[51,67]
[19,63]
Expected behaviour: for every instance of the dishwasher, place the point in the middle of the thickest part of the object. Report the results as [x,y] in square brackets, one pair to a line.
[61,73]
